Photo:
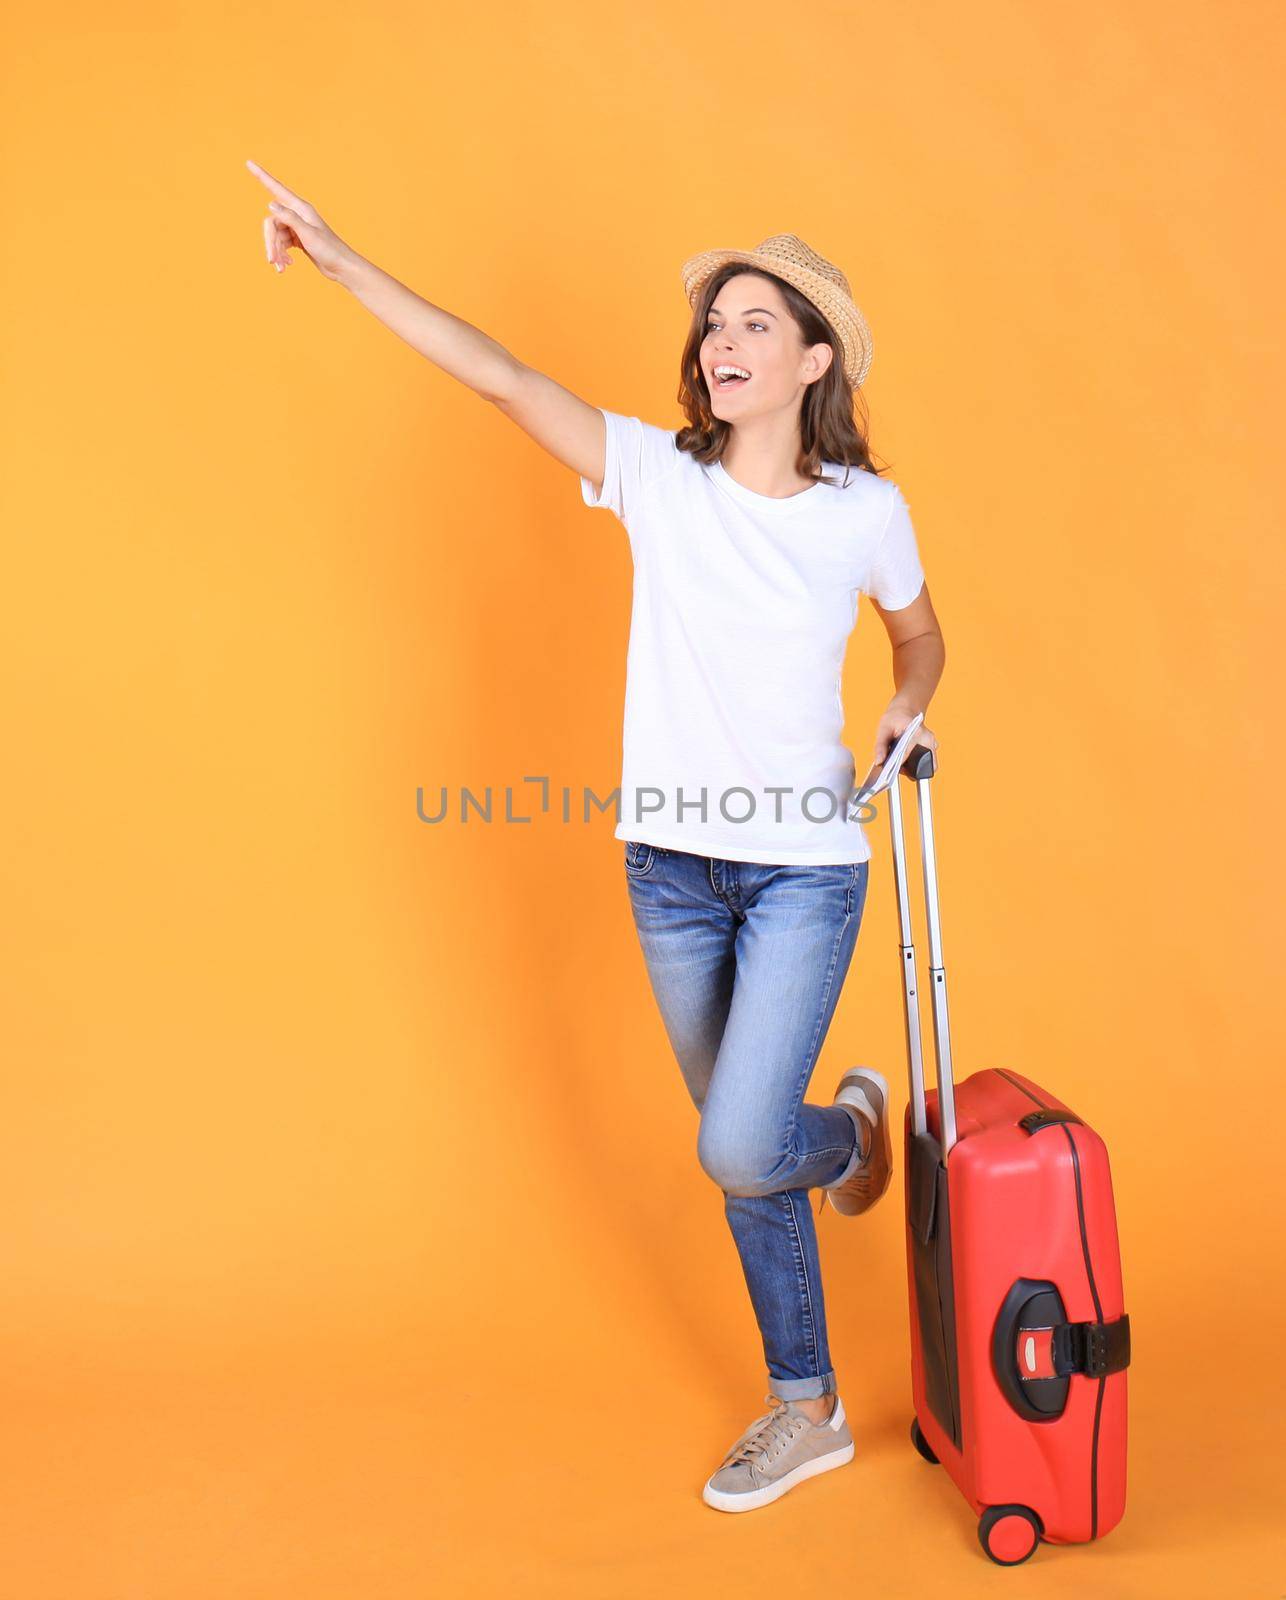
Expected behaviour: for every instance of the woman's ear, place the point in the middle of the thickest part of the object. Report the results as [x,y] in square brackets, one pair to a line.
[817,360]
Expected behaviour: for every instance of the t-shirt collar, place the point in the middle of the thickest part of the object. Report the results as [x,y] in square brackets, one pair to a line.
[772,505]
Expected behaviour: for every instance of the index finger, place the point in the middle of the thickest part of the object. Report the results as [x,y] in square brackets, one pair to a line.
[278,188]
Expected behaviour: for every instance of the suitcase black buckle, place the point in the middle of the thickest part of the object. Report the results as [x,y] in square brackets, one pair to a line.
[1092,1348]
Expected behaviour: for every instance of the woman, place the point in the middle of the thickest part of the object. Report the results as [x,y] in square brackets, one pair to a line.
[753,531]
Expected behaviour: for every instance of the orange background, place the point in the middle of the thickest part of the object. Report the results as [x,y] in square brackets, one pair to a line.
[355,1238]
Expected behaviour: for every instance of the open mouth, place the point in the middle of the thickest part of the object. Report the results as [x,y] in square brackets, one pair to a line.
[727,377]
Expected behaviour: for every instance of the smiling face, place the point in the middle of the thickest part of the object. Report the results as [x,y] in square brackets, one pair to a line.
[749,330]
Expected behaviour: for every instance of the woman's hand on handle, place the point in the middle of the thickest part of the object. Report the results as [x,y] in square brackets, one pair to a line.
[291,222]
[890,729]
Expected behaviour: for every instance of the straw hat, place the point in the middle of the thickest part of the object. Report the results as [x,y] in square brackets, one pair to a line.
[788,257]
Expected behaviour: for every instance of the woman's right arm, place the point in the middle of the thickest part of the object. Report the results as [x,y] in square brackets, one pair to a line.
[570,429]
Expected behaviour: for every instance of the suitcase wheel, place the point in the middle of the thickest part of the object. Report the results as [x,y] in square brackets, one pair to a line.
[1009,1534]
[920,1442]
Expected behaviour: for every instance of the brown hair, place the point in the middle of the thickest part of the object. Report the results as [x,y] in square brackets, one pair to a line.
[828,429]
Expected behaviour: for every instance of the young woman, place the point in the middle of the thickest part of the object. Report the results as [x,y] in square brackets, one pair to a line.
[753,531]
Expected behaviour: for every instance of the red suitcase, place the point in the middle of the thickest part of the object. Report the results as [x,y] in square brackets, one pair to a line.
[1019,1339]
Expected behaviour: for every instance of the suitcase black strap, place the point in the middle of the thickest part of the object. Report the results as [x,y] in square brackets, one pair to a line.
[1091,1348]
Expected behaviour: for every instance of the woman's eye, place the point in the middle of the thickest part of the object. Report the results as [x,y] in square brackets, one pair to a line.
[711,326]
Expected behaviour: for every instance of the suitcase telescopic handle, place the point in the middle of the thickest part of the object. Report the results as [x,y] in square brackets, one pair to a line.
[918,767]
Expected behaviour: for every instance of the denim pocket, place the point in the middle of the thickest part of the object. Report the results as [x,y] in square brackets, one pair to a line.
[638,857]
[859,876]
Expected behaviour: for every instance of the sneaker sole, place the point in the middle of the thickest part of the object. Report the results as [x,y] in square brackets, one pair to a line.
[721,1500]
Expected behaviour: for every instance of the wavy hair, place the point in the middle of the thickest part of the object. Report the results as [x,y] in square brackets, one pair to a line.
[828,428]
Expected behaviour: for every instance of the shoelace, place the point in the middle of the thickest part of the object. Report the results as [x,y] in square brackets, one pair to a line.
[860,1184]
[768,1437]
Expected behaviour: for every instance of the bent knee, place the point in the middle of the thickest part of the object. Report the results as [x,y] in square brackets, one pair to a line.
[737,1166]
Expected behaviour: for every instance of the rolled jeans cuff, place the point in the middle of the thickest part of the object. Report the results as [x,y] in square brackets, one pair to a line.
[856,1160]
[803,1388]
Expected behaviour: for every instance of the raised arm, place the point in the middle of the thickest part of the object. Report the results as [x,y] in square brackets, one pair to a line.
[569,428]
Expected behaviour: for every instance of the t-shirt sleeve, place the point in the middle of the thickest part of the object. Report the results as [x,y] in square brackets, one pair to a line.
[637,452]
[896,576]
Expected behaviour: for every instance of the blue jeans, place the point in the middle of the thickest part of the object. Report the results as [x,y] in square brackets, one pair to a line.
[746,961]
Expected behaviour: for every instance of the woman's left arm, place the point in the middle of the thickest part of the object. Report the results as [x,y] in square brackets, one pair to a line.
[919,654]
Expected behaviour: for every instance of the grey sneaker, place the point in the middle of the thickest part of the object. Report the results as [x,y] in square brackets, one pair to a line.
[777,1451]
[865,1093]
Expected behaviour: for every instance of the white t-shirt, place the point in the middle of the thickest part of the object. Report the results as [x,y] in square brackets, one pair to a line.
[742,609]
